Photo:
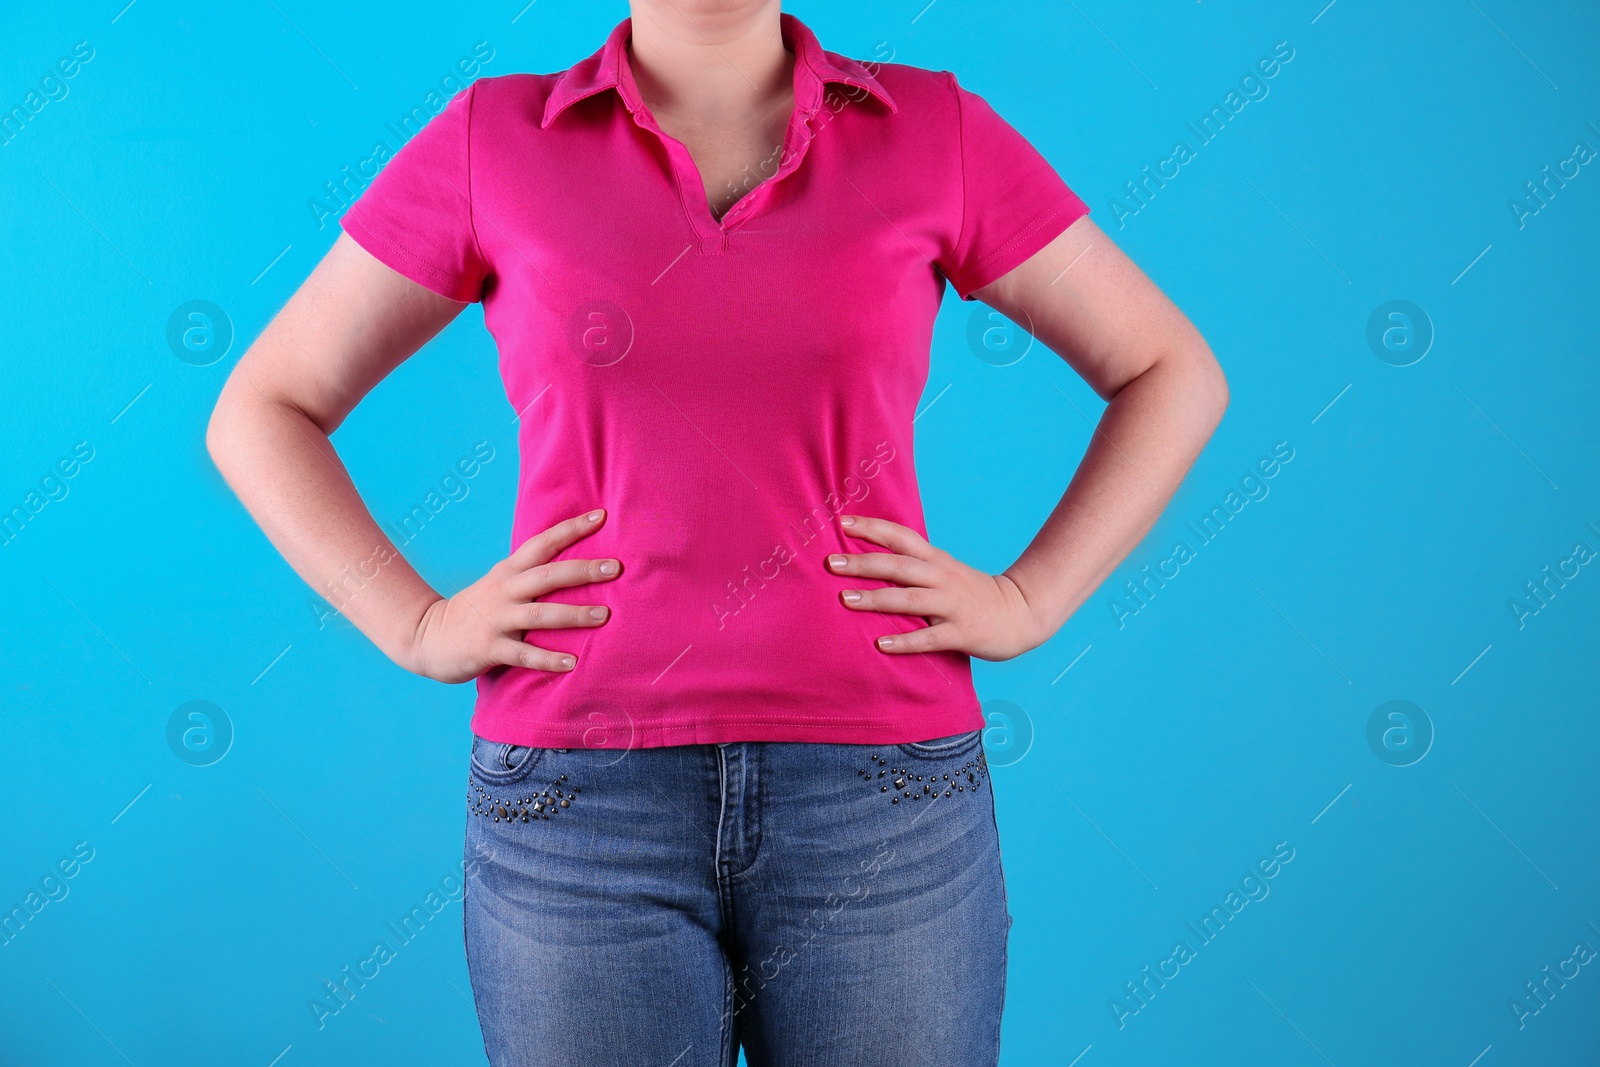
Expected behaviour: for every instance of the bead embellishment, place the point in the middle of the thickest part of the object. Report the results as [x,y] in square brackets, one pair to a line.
[901,783]
[535,804]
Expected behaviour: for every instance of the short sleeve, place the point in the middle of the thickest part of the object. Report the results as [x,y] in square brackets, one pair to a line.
[1013,201]
[416,215]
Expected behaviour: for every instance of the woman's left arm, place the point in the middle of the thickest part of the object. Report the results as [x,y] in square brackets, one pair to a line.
[1091,305]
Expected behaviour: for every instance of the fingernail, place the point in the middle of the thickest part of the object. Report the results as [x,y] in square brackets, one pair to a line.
[597,613]
[594,516]
[847,520]
[850,596]
[608,567]
[885,642]
[836,562]
[568,662]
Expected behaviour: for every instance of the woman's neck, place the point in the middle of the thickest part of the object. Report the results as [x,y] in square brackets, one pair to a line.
[709,66]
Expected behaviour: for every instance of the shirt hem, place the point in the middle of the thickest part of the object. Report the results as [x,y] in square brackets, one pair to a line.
[1040,231]
[406,264]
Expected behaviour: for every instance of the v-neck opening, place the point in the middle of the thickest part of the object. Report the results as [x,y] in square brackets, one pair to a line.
[714,230]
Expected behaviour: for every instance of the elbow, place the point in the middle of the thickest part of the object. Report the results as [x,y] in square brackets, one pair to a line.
[216,430]
[228,431]
[1210,388]
[1219,394]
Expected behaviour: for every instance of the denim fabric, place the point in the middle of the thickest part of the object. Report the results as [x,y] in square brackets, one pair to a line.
[824,905]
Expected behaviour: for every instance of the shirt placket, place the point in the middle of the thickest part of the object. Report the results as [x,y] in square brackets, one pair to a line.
[712,233]
[796,142]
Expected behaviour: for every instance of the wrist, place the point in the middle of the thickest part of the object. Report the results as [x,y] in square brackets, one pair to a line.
[1035,628]
[408,652]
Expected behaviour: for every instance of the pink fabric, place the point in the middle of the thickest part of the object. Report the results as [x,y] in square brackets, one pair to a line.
[725,389]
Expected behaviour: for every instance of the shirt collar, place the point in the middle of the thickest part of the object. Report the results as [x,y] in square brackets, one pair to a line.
[814,67]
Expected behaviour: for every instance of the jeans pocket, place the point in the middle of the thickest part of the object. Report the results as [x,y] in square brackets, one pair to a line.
[940,747]
[942,767]
[503,763]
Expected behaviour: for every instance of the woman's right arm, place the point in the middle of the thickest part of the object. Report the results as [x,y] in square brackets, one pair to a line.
[351,323]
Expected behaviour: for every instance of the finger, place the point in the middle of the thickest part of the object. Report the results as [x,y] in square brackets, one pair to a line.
[543,615]
[514,653]
[895,600]
[542,547]
[889,566]
[891,535]
[934,638]
[562,574]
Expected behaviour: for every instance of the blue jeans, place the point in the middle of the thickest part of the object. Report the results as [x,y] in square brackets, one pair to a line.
[825,905]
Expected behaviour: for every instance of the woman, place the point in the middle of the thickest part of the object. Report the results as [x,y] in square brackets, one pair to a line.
[727,784]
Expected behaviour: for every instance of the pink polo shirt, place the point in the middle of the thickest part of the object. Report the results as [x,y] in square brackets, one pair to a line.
[724,388]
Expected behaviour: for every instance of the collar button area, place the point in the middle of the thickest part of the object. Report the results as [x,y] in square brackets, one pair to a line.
[602,70]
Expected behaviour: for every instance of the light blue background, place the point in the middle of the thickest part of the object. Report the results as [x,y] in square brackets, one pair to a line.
[1227,716]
